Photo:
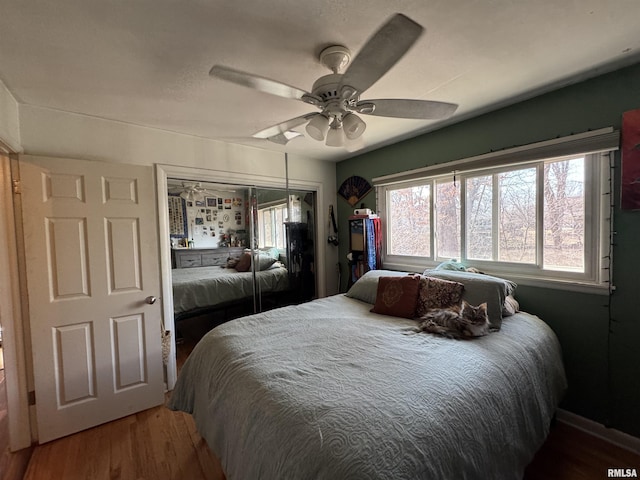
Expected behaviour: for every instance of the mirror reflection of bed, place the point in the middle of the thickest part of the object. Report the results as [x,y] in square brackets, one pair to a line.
[216,276]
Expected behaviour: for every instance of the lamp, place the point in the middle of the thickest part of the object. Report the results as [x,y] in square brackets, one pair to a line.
[318,126]
[353,126]
[335,136]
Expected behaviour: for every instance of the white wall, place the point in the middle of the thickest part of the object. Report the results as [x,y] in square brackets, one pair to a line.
[49,132]
[9,120]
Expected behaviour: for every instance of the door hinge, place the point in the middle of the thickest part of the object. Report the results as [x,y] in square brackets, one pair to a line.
[17,186]
[31,397]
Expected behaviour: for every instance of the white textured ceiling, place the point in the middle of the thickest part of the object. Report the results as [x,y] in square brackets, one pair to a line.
[146,62]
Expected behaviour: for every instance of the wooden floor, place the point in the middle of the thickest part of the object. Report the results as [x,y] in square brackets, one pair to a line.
[156,444]
[159,444]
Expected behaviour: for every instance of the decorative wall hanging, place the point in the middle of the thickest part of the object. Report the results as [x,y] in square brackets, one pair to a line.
[630,184]
[177,217]
[354,189]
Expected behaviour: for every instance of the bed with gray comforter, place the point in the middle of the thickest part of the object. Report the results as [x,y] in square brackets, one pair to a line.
[329,390]
[203,288]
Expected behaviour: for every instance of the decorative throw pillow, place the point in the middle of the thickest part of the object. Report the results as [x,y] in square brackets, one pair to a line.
[437,293]
[397,296]
[366,287]
[244,264]
[232,262]
[510,307]
[480,288]
[265,261]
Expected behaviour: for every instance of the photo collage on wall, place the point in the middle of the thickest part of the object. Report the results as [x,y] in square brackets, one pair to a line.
[216,220]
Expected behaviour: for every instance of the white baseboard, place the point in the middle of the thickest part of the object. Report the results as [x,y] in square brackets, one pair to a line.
[611,435]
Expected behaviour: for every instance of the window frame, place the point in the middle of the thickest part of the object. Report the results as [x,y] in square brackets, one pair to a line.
[596,217]
[272,207]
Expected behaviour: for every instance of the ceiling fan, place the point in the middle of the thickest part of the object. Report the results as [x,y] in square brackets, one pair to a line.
[190,191]
[337,95]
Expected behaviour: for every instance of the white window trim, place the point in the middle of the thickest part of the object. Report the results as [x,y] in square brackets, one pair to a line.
[272,206]
[592,144]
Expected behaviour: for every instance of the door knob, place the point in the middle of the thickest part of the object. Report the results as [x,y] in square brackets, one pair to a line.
[150,299]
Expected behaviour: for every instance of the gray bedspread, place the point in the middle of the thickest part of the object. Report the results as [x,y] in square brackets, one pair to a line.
[205,287]
[328,390]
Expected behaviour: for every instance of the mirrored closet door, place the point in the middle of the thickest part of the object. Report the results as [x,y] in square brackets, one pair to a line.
[238,250]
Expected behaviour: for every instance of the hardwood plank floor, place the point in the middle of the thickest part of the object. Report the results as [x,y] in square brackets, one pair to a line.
[12,465]
[159,444]
[571,454]
[156,444]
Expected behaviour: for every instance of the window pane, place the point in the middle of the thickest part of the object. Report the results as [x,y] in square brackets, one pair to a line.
[268,228]
[447,208]
[564,215]
[479,216]
[517,216]
[278,227]
[409,221]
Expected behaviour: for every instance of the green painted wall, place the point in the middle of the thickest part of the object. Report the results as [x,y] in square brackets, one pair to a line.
[603,370]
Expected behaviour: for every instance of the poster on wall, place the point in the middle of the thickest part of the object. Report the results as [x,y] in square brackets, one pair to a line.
[177,217]
[630,183]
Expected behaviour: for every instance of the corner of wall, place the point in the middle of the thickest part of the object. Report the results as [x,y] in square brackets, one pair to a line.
[9,121]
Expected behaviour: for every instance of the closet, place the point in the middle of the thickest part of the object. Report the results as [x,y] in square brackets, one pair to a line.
[238,249]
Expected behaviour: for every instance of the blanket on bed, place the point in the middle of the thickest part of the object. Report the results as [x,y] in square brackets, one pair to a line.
[205,287]
[328,390]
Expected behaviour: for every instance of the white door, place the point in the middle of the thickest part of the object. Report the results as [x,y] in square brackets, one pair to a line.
[91,247]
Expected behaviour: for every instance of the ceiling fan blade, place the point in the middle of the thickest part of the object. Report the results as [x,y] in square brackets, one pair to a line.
[284,138]
[404,108]
[259,83]
[280,128]
[380,53]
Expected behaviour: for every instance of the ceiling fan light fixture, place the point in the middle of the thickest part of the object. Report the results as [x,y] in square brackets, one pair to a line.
[353,126]
[335,136]
[317,127]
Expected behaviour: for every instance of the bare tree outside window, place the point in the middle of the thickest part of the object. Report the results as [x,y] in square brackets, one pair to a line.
[447,208]
[409,221]
[502,219]
[479,215]
[535,219]
[517,216]
[564,215]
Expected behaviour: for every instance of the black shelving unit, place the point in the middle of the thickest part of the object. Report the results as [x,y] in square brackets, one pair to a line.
[300,261]
[363,240]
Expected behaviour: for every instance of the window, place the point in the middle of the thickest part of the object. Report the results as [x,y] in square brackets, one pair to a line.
[537,221]
[409,233]
[271,231]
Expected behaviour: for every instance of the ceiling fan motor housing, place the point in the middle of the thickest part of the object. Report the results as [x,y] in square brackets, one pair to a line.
[326,87]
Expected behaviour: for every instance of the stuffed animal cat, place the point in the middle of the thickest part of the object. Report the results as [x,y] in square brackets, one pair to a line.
[464,321]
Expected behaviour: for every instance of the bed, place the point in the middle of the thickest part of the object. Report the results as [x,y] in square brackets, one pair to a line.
[330,390]
[201,289]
